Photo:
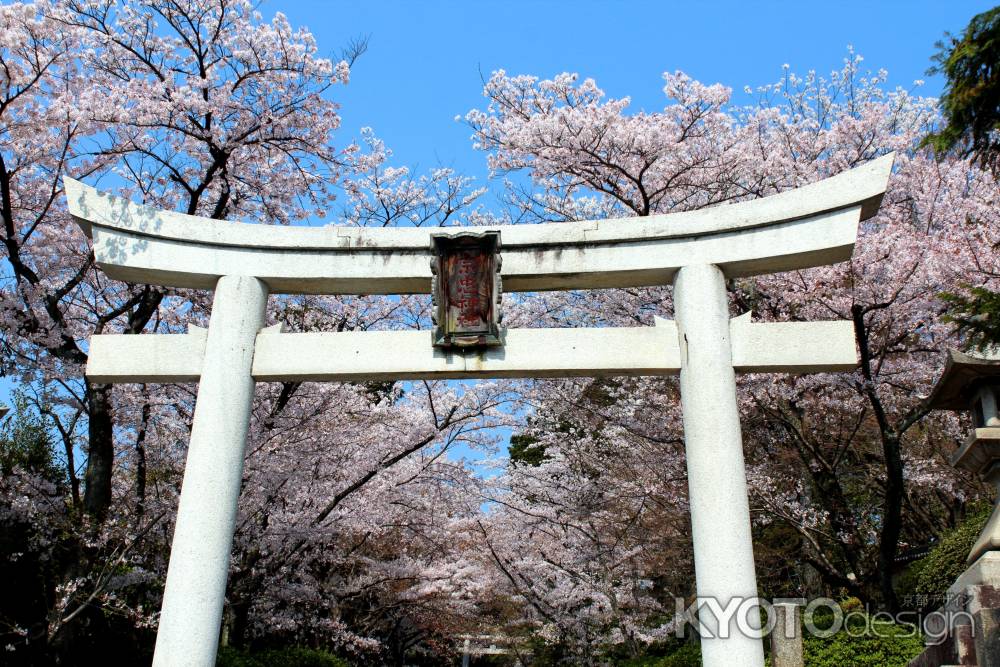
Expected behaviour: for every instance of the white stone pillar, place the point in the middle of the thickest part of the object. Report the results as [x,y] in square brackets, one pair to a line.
[720,512]
[206,518]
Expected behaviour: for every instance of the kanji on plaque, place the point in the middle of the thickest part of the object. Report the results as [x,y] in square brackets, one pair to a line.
[466,289]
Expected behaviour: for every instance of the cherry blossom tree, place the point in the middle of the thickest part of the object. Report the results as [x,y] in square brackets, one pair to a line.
[199,107]
[209,111]
[192,105]
[844,468]
[359,528]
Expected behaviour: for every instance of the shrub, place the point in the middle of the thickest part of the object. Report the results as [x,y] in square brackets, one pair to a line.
[292,656]
[864,642]
[937,571]
[688,655]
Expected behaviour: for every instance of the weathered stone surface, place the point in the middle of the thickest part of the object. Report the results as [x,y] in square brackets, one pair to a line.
[984,605]
[986,570]
[786,637]
[792,347]
[195,589]
[810,226]
[717,487]
[988,637]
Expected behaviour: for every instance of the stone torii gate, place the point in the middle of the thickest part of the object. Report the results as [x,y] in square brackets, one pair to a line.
[697,251]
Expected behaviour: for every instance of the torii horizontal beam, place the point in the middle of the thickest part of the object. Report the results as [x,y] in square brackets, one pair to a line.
[810,226]
[363,356]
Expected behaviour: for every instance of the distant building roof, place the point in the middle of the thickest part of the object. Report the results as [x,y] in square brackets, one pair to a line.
[914,553]
[954,388]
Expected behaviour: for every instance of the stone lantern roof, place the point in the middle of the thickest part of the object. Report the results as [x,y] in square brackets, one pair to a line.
[971,383]
[955,389]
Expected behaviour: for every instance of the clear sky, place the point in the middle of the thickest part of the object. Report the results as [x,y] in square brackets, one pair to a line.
[427,58]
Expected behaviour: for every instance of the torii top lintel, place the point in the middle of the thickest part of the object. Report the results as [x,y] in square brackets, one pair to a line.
[809,226]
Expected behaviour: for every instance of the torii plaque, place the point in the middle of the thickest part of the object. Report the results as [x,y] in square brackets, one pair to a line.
[466,289]
[697,251]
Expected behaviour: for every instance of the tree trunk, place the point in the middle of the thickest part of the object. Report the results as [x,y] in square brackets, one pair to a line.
[140,460]
[101,451]
[100,431]
[891,520]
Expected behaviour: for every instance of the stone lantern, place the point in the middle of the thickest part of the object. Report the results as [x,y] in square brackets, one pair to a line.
[972,383]
[970,618]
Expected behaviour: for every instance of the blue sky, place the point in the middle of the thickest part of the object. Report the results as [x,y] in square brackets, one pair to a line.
[427,58]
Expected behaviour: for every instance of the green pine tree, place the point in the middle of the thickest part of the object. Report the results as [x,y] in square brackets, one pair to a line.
[971,108]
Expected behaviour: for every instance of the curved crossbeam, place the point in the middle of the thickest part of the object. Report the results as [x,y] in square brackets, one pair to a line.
[809,226]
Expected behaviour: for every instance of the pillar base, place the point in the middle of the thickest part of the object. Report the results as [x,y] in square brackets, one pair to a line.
[984,571]
[971,615]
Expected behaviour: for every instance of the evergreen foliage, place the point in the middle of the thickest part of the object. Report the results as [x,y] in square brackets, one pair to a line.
[971,99]
[864,642]
[933,574]
[294,656]
[971,108]
[25,443]
[688,655]
[976,316]
[524,450]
